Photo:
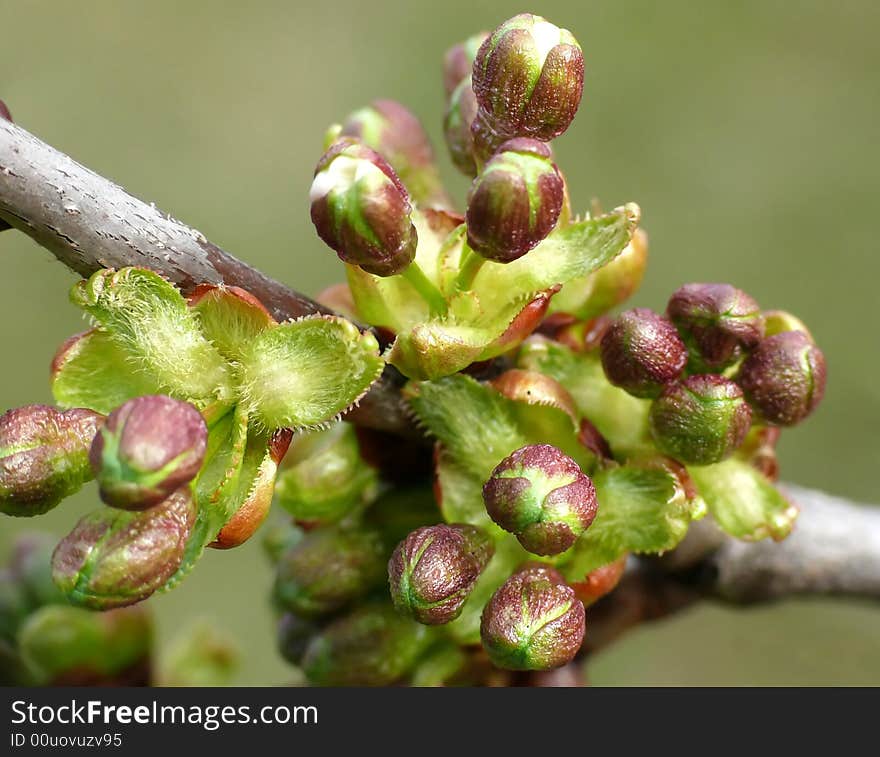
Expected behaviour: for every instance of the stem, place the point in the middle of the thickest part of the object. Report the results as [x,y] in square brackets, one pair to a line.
[470,267]
[426,288]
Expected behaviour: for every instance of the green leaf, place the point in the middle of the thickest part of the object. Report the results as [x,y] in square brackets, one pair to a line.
[475,423]
[306,372]
[743,501]
[460,494]
[238,466]
[94,371]
[621,418]
[569,252]
[151,321]
[641,510]
[230,318]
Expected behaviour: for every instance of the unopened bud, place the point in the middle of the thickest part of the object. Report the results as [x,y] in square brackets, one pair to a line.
[361,209]
[433,571]
[148,448]
[373,646]
[642,353]
[44,456]
[533,621]
[541,495]
[395,133]
[294,634]
[515,201]
[701,420]
[114,557]
[718,321]
[457,122]
[458,62]
[784,378]
[529,77]
[328,569]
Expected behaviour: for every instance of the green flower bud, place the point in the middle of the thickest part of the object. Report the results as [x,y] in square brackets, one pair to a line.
[701,420]
[148,448]
[361,209]
[44,456]
[328,569]
[395,133]
[642,353]
[433,571]
[374,646]
[114,557]
[71,646]
[533,621]
[541,495]
[777,321]
[515,201]
[458,62]
[294,634]
[200,655]
[529,77]
[784,378]
[324,478]
[457,123]
[718,321]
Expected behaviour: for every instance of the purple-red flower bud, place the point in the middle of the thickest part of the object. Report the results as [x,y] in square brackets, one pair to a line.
[515,201]
[44,456]
[642,353]
[718,321]
[529,77]
[541,495]
[701,420]
[784,378]
[533,621]
[361,209]
[433,570]
[458,62]
[457,122]
[148,448]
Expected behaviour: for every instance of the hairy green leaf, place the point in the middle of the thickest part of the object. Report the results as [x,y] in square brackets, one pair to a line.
[306,372]
[743,501]
[151,321]
[642,510]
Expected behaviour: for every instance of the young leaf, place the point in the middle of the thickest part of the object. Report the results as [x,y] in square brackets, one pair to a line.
[93,370]
[621,418]
[642,510]
[569,252]
[473,421]
[743,501]
[150,319]
[229,317]
[306,372]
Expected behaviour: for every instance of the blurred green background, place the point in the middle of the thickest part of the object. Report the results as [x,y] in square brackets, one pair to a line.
[747,132]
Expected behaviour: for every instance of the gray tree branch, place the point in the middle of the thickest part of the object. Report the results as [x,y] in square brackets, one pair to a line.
[834,549]
[89,223]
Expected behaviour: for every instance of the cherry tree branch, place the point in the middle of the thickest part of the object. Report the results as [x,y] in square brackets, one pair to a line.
[89,223]
[834,549]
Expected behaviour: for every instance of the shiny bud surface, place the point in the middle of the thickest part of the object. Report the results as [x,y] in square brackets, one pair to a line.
[542,496]
[147,449]
[361,209]
[701,420]
[642,353]
[515,201]
[433,570]
[533,621]
[718,321]
[784,378]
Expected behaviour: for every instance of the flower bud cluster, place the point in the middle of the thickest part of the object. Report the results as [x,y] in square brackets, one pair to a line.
[712,366]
